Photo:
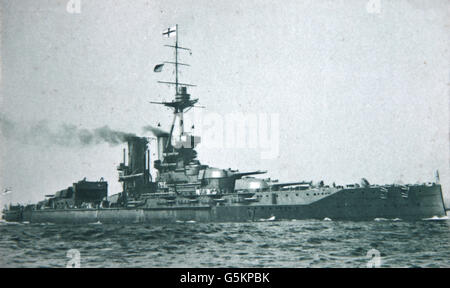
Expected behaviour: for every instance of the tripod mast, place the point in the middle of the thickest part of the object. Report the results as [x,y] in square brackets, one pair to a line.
[182,100]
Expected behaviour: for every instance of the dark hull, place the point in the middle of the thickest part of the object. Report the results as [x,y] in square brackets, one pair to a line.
[420,201]
[13,216]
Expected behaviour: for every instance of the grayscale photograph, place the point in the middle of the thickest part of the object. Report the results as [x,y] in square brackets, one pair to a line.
[224,134]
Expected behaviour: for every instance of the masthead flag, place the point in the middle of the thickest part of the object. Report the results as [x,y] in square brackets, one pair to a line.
[170,32]
[158,68]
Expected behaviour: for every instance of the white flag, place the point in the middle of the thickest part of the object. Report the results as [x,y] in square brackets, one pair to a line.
[170,32]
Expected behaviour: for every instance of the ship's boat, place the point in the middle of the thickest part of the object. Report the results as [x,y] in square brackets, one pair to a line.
[184,189]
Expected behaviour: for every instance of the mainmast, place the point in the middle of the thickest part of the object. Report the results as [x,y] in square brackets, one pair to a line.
[176,59]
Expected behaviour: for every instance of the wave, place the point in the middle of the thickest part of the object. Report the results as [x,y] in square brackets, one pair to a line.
[380,219]
[387,219]
[437,218]
[189,221]
[280,244]
[272,218]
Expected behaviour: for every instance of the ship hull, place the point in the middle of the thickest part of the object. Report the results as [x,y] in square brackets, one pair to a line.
[419,202]
[12,216]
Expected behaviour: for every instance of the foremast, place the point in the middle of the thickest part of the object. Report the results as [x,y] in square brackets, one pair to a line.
[175,156]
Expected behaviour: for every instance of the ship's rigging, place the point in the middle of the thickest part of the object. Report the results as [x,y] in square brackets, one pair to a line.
[182,102]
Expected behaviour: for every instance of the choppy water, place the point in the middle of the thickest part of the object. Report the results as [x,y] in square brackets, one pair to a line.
[309,243]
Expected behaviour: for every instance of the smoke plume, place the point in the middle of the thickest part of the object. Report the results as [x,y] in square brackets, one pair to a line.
[64,135]
[156,131]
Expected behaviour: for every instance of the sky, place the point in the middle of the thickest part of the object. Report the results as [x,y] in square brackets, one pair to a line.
[358,91]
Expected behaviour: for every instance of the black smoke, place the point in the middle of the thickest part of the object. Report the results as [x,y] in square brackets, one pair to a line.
[156,131]
[64,135]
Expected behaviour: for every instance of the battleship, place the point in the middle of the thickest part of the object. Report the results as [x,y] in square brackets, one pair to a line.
[183,189]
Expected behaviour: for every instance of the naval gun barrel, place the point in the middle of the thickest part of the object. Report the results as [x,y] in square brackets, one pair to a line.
[239,175]
[130,177]
[280,185]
